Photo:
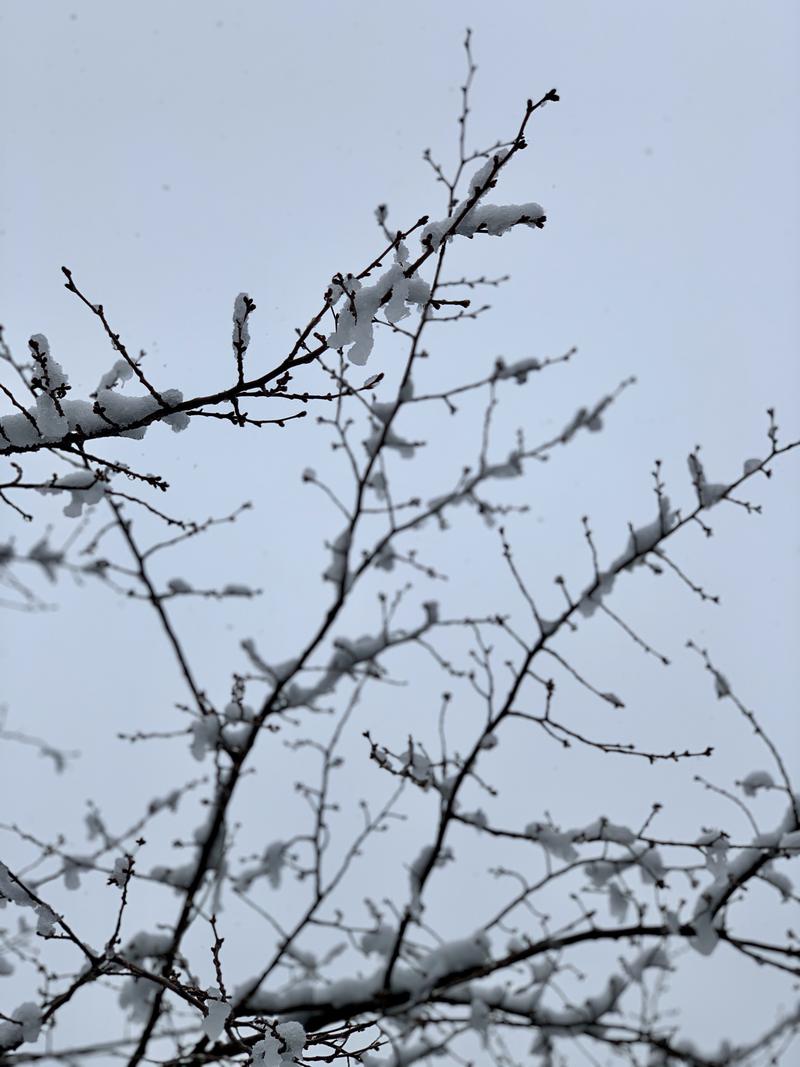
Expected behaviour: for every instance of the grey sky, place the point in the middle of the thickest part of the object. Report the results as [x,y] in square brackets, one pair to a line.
[174,154]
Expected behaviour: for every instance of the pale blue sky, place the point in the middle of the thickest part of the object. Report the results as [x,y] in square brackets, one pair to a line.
[173,154]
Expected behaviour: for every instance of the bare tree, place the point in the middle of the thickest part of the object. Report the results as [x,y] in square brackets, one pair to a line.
[339,978]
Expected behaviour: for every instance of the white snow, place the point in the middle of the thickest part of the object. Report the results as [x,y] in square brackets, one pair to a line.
[519,370]
[393,291]
[641,541]
[26,1024]
[275,1052]
[708,494]
[708,910]
[205,734]
[11,891]
[491,219]
[790,842]
[379,941]
[458,955]
[337,569]
[85,487]
[417,869]
[618,902]
[53,415]
[241,328]
[217,1012]
[178,585]
[756,780]
[270,866]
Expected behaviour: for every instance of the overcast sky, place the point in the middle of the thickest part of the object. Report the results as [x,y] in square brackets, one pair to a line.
[174,154]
